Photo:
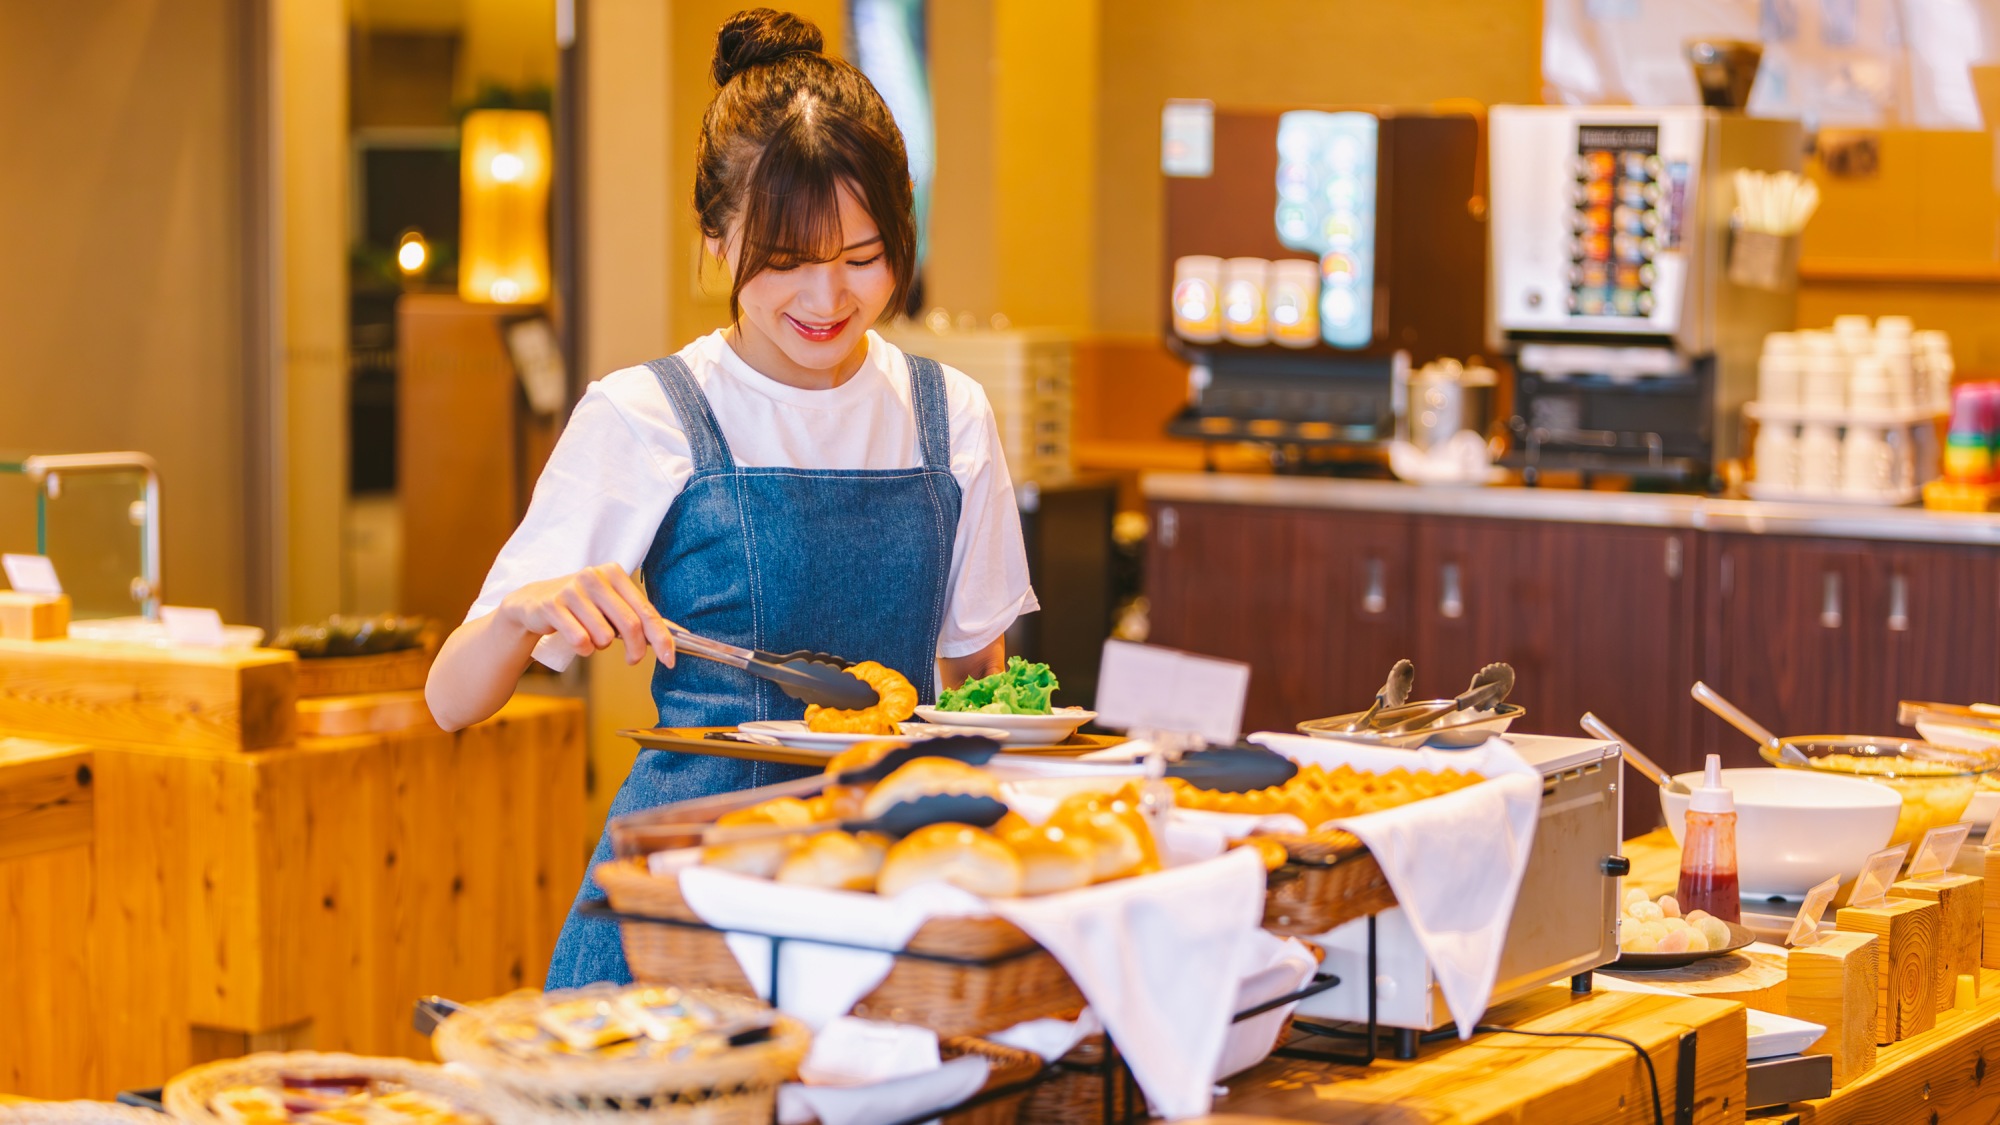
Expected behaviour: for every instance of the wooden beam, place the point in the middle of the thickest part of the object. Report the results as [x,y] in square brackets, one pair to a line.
[192,699]
[46,800]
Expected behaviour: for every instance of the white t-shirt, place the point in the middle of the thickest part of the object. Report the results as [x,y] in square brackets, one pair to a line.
[623,458]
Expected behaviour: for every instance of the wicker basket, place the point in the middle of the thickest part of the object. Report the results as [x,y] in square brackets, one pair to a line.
[1331,879]
[77,1113]
[1007,1066]
[1075,1093]
[1024,982]
[188,1094]
[739,1086]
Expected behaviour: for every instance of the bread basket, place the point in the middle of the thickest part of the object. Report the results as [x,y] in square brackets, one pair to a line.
[739,1085]
[187,1096]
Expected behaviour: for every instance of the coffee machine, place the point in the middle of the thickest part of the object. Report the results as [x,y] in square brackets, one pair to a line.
[1632,347]
[1311,255]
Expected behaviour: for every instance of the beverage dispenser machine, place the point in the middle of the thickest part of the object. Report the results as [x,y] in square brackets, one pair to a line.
[1311,254]
[1632,348]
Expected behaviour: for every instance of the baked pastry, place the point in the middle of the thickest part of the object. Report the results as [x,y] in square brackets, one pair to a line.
[859,756]
[838,803]
[760,857]
[1052,859]
[897,700]
[958,854]
[1120,839]
[1270,851]
[925,777]
[837,860]
[1317,795]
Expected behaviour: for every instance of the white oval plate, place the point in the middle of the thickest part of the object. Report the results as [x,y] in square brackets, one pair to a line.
[1050,728]
[793,733]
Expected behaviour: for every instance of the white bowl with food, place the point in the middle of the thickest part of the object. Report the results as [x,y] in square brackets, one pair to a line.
[1049,728]
[1794,827]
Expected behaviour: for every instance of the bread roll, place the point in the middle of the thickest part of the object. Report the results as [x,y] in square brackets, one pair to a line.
[1009,823]
[839,802]
[926,777]
[763,856]
[1270,851]
[837,860]
[1121,841]
[1052,859]
[957,854]
[859,756]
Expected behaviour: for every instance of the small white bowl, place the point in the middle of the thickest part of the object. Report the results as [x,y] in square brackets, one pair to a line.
[1795,828]
[1047,729]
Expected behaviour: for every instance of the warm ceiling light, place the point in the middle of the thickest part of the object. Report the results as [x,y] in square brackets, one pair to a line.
[413,252]
[504,169]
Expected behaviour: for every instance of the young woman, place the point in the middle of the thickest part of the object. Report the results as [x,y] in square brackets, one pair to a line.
[792,481]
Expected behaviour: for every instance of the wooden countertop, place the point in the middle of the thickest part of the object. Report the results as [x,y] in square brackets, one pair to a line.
[1560,505]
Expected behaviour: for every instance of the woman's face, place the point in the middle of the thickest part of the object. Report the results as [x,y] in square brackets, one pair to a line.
[809,324]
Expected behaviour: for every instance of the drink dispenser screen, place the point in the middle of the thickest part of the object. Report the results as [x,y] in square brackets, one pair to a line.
[1624,217]
[1326,207]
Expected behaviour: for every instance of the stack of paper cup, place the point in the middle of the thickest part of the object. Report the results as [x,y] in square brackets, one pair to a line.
[1823,373]
[1871,393]
[1934,368]
[1778,371]
[1867,463]
[1777,454]
[1819,458]
[1855,334]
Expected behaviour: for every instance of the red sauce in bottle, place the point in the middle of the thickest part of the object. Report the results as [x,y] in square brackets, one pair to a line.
[1708,851]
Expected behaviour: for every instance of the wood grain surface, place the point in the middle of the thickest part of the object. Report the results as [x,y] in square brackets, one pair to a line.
[46,801]
[1905,956]
[302,896]
[1509,1078]
[333,716]
[1961,903]
[197,699]
[33,617]
[1753,977]
[1832,983]
[1945,1075]
[358,675]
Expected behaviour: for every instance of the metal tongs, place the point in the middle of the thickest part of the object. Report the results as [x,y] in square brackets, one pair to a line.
[812,677]
[1487,691]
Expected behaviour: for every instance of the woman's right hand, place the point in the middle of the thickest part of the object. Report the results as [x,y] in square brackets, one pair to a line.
[590,610]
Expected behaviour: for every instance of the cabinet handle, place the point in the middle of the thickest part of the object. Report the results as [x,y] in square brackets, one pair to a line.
[1375,599]
[1899,604]
[1170,527]
[1451,602]
[1829,601]
[1673,558]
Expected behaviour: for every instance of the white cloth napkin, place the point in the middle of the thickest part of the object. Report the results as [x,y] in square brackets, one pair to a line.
[1051,1039]
[1156,957]
[1455,861]
[816,983]
[860,1072]
[1275,966]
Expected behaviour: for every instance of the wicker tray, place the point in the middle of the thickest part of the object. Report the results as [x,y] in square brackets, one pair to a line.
[1018,980]
[187,1095]
[1008,1067]
[77,1113]
[1330,879]
[738,1086]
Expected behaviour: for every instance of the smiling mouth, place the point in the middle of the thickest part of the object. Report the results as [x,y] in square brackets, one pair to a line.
[817,333]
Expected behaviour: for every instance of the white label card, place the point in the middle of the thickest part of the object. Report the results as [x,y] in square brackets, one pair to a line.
[195,628]
[31,574]
[1805,928]
[1164,691]
[1937,850]
[1878,874]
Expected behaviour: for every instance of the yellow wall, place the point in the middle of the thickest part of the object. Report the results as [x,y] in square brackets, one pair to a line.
[121,300]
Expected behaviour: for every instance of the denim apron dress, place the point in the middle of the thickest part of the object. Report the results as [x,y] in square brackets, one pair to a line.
[847,561]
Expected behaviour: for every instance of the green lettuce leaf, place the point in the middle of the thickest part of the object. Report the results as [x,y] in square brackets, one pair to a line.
[1023,689]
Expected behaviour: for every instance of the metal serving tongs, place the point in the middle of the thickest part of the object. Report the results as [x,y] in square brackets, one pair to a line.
[1489,688]
[1395,693]
[813,677]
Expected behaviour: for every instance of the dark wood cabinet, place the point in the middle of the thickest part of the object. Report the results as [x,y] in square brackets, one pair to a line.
[1928,628]
[1592,618]
[1316,602]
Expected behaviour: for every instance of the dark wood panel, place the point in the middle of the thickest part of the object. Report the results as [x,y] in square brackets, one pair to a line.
[1781,645]
[1927,630]
[1287,592]
[1479,585]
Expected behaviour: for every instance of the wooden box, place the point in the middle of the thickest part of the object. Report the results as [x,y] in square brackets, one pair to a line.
[189,699]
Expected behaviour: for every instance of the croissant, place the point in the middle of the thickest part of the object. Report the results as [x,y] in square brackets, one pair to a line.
[898,701]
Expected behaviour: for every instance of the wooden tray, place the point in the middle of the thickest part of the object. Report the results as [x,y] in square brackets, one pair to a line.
[364,675]
[695,739]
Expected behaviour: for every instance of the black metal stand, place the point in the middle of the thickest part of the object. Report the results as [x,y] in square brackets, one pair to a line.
[1115,1074]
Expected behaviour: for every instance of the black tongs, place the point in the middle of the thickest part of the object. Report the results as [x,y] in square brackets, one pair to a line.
[812,677]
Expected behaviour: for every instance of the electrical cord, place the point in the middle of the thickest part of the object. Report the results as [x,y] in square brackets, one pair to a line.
[1652,1075]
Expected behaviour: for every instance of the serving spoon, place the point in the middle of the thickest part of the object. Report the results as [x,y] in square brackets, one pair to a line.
[1734,716]
[1646,766]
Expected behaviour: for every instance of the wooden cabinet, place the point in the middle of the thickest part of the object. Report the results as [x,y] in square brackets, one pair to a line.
[1316,602]
[1827,635]
[1592,618]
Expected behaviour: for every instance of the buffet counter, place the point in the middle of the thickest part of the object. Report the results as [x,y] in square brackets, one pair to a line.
[1622,509]
[183,877]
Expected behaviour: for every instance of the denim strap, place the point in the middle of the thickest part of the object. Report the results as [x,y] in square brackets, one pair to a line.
[706,446]
[927,402]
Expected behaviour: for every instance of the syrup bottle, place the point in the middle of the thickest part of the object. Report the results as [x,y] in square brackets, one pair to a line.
[1708,849]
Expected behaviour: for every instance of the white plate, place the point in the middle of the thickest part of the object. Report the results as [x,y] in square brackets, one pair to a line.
[1772,1035]
[793,733]
[1050,728]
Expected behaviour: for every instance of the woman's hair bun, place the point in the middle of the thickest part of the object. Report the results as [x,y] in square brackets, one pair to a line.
[759,36]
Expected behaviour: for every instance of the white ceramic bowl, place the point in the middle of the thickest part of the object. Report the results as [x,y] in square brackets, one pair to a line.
[1794,828]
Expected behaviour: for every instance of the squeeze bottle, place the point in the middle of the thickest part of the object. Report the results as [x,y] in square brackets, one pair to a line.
[1708,849]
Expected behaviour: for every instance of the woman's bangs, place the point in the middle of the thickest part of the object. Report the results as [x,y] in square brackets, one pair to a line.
[791,208]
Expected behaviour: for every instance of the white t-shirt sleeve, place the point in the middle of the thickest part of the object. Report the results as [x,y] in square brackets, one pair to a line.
[988,586]
[599,500]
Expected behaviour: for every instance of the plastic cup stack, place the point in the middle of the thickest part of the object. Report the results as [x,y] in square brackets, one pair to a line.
[1873,390]
[1819,458]
[1778,382]
[1855,334]
[1823,376]
[1934,368]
